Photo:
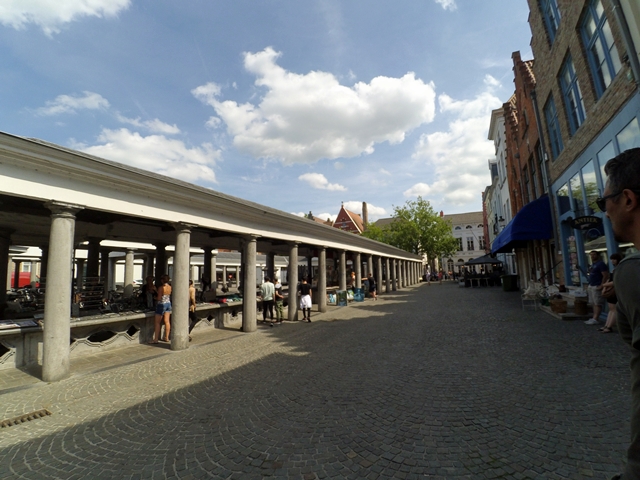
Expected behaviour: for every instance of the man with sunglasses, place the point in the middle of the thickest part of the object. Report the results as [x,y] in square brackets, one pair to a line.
[621,202]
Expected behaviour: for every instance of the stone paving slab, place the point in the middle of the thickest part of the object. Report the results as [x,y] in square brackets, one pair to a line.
[429,382]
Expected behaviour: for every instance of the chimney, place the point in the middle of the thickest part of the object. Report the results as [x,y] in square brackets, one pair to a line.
[365,215]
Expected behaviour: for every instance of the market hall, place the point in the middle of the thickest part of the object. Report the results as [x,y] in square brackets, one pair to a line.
[61,201]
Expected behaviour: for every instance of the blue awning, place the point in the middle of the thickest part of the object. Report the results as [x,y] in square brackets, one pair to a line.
[532,222]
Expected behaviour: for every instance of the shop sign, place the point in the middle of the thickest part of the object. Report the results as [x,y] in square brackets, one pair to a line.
[585,223]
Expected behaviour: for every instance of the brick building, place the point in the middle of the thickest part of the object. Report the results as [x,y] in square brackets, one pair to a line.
[588,104]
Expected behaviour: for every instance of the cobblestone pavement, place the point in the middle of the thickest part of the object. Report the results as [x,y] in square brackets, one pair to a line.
[432,381]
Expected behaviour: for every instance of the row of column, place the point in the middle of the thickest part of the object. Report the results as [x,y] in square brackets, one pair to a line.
[57,313]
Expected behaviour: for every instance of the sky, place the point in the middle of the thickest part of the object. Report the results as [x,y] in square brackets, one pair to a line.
[300,105]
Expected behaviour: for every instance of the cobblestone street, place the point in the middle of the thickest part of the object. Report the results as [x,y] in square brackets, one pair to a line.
[432,381]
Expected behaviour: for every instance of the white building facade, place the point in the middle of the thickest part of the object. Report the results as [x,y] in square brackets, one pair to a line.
[468,229]
[497,200]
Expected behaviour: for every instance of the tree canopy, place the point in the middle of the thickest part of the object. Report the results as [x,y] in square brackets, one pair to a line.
[416,228]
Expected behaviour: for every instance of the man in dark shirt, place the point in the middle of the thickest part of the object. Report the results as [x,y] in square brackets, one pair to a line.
[372,286]
[621,202]
[598,274]
[305,300]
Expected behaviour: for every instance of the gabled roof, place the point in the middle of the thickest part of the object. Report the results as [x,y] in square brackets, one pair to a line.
[356,219]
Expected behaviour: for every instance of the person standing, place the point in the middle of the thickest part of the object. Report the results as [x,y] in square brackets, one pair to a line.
[305,300]
[621,203]
[279,298]
[149,292]
[193,319]
[611,299]
[163,310]
[598,274]
[372,286]
[267,291]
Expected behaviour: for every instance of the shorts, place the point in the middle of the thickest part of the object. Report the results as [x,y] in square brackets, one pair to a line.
[162,308]
[595,295]
[305,301]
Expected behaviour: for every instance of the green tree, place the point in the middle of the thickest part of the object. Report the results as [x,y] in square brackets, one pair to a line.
[417,228]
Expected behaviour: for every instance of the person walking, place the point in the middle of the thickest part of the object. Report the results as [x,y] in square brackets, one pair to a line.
[372,286]
[193,319]
[621,203]
[598,274]
[267,291]
[611,299]
[163,310]
[279,299]
[305,300]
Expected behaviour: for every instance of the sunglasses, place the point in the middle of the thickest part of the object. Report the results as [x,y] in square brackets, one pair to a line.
[601,202]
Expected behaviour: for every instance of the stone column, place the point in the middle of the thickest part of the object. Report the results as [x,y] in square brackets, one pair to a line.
[161,261]
[57,306]
[148,266]
[80,273]
[206,267]
[128,273]
[5,242]
[396,271]
[180,288]
[112,273]
[224,275]
[379,274]
[342,284]
[388,276]
[310,269]
[322,279]
[271,265]
[358,267]
[249,298]
[404,274]
[104,272]
[32,272]
[214,269]
[293,282]
[44,261]
[17,266]
[93,258]
[369,265]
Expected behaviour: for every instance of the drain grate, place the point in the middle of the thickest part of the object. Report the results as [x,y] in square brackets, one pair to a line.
[27,417]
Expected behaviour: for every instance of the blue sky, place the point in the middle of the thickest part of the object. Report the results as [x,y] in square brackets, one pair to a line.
[299,105]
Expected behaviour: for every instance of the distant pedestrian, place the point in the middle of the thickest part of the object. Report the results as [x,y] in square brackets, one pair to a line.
[149,292]
[267,291]
[163,310]
[598,274]
[305,300]
[193,319]
[372,286]
[279,299]
[611,296]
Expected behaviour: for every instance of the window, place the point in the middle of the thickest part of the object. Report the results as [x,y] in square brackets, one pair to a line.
[555,139]
[590,187]
[562,195]
[459,244]
[470,245]
[481,242]
[551,17]
[576,193]
[572,95]
[602,53]
[458,228]
[604,155]
[629,136]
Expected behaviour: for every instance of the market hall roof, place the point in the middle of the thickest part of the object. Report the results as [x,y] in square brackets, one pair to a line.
[120,202]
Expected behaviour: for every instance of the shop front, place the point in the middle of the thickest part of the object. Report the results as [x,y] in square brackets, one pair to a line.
[582,226]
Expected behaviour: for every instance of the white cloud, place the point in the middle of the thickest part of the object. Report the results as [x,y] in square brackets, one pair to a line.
[72,103]
[385,172]
[155,125]
[51,15]
[459,155]
[373,211]
[447,4]
[320,182]
[327,216]
[156,153]
[492,82]
[304,118]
